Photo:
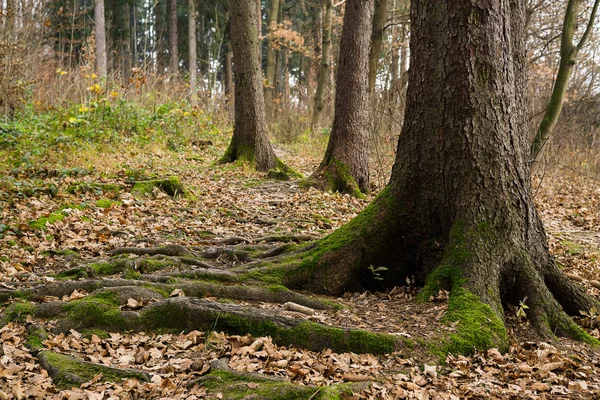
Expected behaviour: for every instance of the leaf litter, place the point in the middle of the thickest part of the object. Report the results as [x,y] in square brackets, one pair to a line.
[225,202]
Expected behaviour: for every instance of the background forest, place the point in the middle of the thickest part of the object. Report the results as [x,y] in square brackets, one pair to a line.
[113,117]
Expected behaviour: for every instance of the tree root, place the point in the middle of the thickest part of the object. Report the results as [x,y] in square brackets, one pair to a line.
[247,386]
[68,371]
[171,250]
[273,294]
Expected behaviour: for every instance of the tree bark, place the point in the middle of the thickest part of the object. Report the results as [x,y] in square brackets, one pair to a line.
[250,141]
[173,48]
[345,167]
[159,42]
[323,79]
[379,20]
[270,70]
[458,212]
[192,51]
[100,33]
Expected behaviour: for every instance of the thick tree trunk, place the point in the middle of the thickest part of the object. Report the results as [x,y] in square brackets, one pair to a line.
[173,49]
[100,34]
[458,212]
[271,70]
[323,79]
[345,167]
[379,20]
[250,141]
[192,51]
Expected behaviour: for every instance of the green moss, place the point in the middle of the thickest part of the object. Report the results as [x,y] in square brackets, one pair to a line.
[171,186]
[572,247]
[100,310]
[478,327]
[355,231]
[66,367]
[307,334]
[107,203]
[35,339]
[41,223]
[17,312]
[73,273]
[65,252]
[235,387]
[277,288]
[151,265]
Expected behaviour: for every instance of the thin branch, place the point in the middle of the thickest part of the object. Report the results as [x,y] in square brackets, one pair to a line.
[590,24]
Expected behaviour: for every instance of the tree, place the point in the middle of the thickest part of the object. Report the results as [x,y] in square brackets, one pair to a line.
[458,212]
[323,76]
[250,141]
[173,48]
[345,167]
[100,34]
[568,57]
[379,21]
[192,52]
[270,69]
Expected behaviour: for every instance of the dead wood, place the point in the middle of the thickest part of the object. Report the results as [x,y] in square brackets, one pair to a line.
[171,250]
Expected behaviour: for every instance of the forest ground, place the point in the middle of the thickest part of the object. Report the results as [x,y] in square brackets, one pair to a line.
[63,214]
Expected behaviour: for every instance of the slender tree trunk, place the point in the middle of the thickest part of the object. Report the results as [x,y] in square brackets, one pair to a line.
[11,16]
[345,167]
[285,92]
[228,77]
[134,42]
[379,20]
[192,51]
[250,141]
[324,72]
[160,18]
[271,67]
[173,39]
[458,213]
[259,29]
[100,34]
[568,57]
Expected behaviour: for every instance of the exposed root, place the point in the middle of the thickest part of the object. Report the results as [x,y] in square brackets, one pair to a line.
[286,238]
[171,250]
[68,371]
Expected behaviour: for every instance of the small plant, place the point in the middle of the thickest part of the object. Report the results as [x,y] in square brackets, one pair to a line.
[521,310]
[377,272]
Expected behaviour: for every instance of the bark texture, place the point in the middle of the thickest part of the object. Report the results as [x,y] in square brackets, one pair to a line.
[458,213]
[100,34]
[192,52]
[323,76]
[379,21]
[250,140]
[270,70]
[173,49]
[345,167]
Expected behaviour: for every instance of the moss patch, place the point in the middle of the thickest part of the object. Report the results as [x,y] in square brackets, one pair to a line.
[67,371]
[41,223]
[17,312]
[107,203]
[171,186]
[97,311]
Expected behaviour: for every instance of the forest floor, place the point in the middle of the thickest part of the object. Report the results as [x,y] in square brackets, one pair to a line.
[56,219]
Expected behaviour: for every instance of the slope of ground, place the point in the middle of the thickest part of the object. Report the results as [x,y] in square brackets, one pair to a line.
[71,219]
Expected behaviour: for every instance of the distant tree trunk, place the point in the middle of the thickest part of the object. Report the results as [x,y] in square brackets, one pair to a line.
[12,7]
[120,37]
[458,212]
[250,141]
[173,39]
[259,29]
[271,68]
[228,78]
[192,51]
[324,73]
[568,57]
[160,22]
[285,92]
[379,20]
[345,167]
[100,37]
[134,43]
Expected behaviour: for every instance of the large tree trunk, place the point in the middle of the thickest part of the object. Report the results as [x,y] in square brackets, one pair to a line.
[173,40]
[458,213]
[271,67]
[345,167]
[323,79]
[250,141]
[192,51]
[100,33]
[379,20]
